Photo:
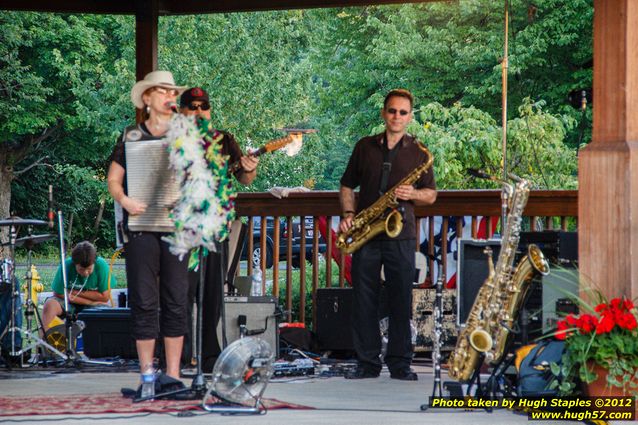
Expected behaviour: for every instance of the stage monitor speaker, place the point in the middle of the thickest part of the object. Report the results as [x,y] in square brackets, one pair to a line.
[472,271]
[560,288]
[559,247]
[261,319]
[107,333]
[334,310]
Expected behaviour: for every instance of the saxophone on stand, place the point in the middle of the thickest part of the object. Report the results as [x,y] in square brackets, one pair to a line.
[495,309]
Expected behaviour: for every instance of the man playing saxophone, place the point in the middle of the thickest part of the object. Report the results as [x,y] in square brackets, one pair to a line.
[377,163]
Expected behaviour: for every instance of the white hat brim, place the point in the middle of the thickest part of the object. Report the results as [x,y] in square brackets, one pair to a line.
[141,86]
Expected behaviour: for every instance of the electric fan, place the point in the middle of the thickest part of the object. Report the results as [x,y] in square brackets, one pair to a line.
[241,373]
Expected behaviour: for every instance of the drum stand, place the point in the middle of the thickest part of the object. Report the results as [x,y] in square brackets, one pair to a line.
[29,335]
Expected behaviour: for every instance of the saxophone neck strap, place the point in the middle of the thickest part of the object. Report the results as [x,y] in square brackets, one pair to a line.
[388,157]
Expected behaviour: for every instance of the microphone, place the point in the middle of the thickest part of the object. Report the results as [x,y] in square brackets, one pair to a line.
[50,213]
[173,107]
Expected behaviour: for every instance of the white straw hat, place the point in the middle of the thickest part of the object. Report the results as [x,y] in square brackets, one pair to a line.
[153,79]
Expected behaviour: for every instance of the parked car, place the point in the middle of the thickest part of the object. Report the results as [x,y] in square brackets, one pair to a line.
[308,230]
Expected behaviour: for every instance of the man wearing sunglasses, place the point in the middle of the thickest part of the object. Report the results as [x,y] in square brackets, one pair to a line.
[376,165]
[195,102]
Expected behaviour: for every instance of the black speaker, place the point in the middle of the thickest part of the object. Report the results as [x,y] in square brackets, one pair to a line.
[559,247]
[260,315]
[472,271]
[334,310]
[108,333]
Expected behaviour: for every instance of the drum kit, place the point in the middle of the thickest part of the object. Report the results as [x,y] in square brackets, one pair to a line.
[22,339]
[27,339]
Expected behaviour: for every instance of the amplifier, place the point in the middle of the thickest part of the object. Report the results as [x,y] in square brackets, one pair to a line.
[558,246]
[472,272]
[261,319]
[333,327]
[107,333]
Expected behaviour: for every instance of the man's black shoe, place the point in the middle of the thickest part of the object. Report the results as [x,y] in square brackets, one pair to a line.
[361,373]
[404,375]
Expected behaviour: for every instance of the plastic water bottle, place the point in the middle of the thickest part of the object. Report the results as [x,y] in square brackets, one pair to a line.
[255,289]
[148,382]
[79,344]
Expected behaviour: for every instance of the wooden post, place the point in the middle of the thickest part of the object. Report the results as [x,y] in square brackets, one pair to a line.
[146,23]
[608,166]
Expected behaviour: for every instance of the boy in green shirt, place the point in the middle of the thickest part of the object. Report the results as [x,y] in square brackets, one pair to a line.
[87,283]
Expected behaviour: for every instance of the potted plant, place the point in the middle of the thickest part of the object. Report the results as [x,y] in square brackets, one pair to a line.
[601,350]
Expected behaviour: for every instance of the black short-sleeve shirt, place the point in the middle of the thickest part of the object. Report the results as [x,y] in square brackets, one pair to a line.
[365,168]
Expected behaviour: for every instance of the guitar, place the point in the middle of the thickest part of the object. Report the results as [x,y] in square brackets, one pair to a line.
[271,146]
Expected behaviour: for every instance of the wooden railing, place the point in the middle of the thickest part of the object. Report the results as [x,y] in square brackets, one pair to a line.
[545,210]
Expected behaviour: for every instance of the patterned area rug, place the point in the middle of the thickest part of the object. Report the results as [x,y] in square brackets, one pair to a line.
[107,403]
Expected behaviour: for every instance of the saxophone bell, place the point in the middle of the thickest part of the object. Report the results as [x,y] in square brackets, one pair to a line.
[394,223]
[481,340]
[351,241]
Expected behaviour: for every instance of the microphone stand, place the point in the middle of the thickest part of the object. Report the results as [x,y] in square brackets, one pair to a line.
[197,389]
[71,356]
[70,353]
[223,266]
[198,386]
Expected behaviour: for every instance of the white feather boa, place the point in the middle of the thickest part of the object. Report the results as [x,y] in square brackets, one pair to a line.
[201,217]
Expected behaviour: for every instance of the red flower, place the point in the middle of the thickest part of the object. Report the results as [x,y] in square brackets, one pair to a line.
[571,320]
[587,323]
[563,329]
[616,303]
[605,325]
[627,321]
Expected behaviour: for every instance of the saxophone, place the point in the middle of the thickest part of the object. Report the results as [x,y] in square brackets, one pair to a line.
[372,221]
[497,303]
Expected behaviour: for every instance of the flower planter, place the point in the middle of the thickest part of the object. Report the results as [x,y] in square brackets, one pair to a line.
[599,387]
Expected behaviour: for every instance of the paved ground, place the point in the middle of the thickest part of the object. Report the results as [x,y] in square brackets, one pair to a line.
[336,401]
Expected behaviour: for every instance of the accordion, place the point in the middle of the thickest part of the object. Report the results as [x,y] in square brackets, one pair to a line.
[149,179]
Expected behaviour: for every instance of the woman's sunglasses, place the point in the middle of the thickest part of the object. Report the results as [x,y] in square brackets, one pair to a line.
[164,90]
[204,106]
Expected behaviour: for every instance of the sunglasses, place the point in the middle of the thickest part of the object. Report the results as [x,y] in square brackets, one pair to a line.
[204,106]
[401,112]
[163,90]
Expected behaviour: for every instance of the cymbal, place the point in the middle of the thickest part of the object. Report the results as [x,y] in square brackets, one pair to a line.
[29,241]
[22,222]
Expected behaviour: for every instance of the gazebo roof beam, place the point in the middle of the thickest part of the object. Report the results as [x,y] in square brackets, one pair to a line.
[180,7]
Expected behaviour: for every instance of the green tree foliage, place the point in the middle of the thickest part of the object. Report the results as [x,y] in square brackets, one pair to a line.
[255,67]
[449,53]
[65,83]
[56,117]
[466,137]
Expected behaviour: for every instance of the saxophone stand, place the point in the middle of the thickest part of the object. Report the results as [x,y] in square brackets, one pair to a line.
[492,387]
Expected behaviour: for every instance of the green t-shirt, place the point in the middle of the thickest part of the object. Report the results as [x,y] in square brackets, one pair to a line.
[97,281]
